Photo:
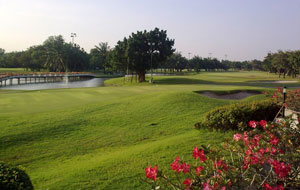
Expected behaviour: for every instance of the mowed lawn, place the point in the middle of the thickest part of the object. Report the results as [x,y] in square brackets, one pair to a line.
[103,138]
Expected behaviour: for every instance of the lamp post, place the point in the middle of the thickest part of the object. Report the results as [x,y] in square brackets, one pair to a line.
[284,98]
[151,44]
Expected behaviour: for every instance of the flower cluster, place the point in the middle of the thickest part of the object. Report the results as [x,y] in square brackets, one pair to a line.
[267,157]
[151,173]
[292,98]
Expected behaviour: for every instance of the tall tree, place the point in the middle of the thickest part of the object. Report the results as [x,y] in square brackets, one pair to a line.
[2,52]
[119,57]
[142,45]
[55,51]
[98,56]
[177,61]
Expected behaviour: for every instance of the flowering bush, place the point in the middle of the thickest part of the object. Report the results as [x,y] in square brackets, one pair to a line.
[233,116]
[292,98]
[267,157]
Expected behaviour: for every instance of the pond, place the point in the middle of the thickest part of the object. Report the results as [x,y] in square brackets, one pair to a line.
[95,82]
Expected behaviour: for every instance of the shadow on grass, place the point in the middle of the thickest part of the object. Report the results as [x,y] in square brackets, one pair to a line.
[181,81]
[229,95]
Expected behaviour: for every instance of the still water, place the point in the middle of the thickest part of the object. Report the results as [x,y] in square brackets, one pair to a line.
[95,82]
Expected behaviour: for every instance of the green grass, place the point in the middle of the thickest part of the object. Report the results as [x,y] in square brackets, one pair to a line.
[102,138]
[242,78]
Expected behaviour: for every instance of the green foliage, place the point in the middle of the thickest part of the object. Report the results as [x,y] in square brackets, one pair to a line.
[13,178]
[140,48]
[233,117]
[177,61]
[283,63]
[99,56]
[62,56]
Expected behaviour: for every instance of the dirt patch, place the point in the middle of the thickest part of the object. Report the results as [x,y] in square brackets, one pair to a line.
[234,95]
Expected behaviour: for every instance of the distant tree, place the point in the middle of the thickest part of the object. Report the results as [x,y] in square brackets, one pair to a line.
[2,52]
[119,58]
[294,63]
[140,45]
[177,62]
[98,56]
[76,58]
[280,62]
[62,56]
[34,58]
[56,55]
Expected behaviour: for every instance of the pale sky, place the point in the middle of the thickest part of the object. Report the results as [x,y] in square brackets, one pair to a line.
[242,29]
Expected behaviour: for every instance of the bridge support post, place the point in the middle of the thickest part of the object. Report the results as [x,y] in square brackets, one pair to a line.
[18,80]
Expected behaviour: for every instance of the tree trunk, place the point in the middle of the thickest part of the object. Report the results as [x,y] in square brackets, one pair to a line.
[141,75]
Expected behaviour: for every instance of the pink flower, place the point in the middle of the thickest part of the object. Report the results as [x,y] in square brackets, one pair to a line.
[206,186]
[187,182]
[255,158]
[261,151]
[245,139]
[218,164]
[245,166]
[199,153]
[274,140]
[281,169]
[273,151]
[266,186]
[248,152]
[255,140]
[199,169]
[237,136]
[151,173]
[252,124]
[263,123]
[185,168]
[175,165]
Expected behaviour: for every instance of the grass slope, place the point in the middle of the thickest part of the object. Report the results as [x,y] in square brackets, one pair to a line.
[102,138]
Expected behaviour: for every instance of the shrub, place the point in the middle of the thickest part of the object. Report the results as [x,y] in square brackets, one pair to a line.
[233,116]
[13,178]
[267,157]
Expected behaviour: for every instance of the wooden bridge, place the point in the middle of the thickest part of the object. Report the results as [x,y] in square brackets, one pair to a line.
[6,80]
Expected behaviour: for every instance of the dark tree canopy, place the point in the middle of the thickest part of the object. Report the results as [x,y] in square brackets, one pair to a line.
[141,45]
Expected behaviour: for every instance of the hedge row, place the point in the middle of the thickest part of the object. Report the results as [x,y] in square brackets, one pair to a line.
[235,116]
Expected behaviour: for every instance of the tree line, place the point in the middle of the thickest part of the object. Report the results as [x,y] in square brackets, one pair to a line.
[136,54]
[283,63]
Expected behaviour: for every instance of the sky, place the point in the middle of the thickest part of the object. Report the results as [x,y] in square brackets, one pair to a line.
[240,29]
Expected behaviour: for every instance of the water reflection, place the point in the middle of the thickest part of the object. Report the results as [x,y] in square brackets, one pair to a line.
[95,82]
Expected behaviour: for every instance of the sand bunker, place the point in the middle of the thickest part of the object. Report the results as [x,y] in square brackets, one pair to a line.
[230,96]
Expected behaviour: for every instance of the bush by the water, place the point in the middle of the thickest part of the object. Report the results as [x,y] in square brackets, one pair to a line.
[233,116]
[13,178]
